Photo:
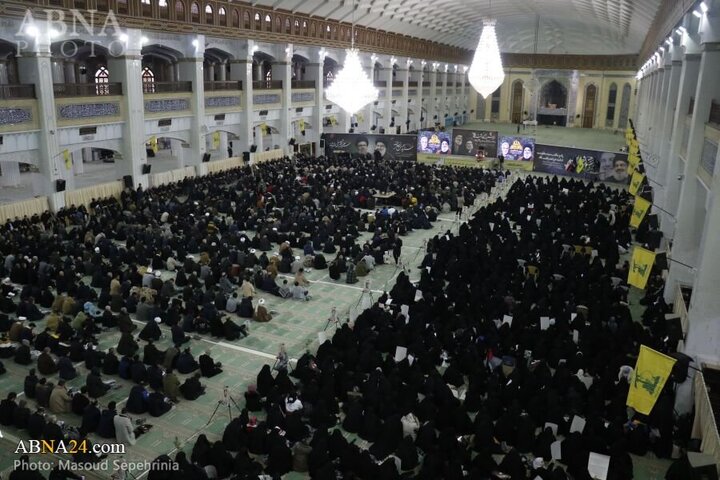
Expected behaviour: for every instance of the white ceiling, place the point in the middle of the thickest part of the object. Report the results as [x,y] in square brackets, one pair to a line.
[593,27]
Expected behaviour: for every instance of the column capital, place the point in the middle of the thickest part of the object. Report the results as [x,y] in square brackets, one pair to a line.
[692,57]
[190,60]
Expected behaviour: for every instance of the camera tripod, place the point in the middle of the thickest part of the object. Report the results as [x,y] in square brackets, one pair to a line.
[366,295]
[224,402]
[332,319]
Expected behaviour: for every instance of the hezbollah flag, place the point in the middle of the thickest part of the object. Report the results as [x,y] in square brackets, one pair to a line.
[639,210]
[651,372]
[216,140]
[640,267]
[635,182]
[301,124]
[68,159]
[153,144]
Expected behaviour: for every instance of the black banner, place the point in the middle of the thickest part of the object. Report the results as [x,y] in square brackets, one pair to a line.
[389,147]
[582,163]
[468,142]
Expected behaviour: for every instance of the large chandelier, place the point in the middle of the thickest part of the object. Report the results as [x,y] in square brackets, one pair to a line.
[352,89]
[486,73]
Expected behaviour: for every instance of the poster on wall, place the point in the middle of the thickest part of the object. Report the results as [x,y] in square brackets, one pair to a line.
[433,143]
[388,147]
[517,148]
[583,163]
[470,142]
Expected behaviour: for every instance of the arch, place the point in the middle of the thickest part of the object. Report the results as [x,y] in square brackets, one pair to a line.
[180,11]
[516,102]
[235,18]
[312,29]
[589,106]
[257,20]
[148,80]
[194,12]
[164,9]
[624,106]
[145,8]
[246,20]
[102,79]
[122,6]
[288,26]
[553,94]
[222,16]
[209,14]
[612,99]
[278,24]
[268,23]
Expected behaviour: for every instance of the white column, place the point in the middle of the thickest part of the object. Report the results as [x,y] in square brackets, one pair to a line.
[222,152]
[70,71]
[58,70]
[4,76]
[282,70]
[314,72]
[387,106]
[191,70]
[443,96]
[242,70]
[403,75]
[128,70]
[433,110]
[34,67]
[417,103]
[464,107]
[178,152]
[369,64]
[688,83]
[689,227]
[666,122]
[222,71]
[78,161]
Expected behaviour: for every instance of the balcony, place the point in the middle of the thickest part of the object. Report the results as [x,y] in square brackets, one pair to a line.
[412,84]
[302,84]
[64,90]
[380,83]
[9,92]
[167,87]
[427,84]
[398,84]
[268,85]
[223,86]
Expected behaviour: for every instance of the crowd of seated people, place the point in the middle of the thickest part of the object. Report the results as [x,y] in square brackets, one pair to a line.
[475,395]
[70,277]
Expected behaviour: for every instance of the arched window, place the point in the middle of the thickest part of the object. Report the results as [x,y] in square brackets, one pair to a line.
[179,11]
[624,106]
[258,21]
[288,28]
[268,23]
[312,29]
[612,99]
[102,80]
[588,118]
[122,7]
[278,25]
[516,110]
[246,20]
[164,10]
[222,16]
[305,29]
[194,12]
[102,5]
[146,8]
[268,76]
[235,19]
[297,26]
[209,14]
[148,80]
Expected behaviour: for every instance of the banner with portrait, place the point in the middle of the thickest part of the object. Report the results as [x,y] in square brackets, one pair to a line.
[582,163]
[433,142]
[388,147]
[470,142]
[517,148]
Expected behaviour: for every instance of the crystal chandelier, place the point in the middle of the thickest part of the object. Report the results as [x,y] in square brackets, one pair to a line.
[486,73]
[352,89]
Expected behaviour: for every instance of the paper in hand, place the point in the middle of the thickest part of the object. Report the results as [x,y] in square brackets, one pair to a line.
[556,450]
[598,466]
[544,323]
[577,425]
[400,353]
[553,427]
[507,319]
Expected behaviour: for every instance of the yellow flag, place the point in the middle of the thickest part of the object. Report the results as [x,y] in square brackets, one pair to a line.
[301,124]
[651,372]
[635,182]
[216,140]
[154,144]
[640,267]
[639,210]
[359,117]
[68,159]
[633,160]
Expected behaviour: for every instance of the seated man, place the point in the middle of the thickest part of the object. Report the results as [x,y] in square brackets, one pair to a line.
[22,354]
[80,401]
[138,399]
[66,370]
[208,367]
[158,404]
[95,386]
[192,388]
[261,313]
[185,362]
[46,363]
[60,401]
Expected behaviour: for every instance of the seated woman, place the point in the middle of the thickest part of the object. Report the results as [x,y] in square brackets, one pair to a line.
[158,404]
[192,388]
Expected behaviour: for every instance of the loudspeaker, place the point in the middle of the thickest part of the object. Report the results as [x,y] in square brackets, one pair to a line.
[246,157]
[128,181]
[146,168]
[322,144]
[60,185]
[206,158]
[291,142]
[253,148]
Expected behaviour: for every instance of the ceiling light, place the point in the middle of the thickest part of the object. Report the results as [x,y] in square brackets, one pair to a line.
[703,7]
[697,13]
[486,72]
[668,41]
[661,49]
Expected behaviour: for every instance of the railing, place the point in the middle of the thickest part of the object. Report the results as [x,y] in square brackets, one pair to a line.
[223,85]
[268,85]
[412,84]
[86,89]
[167,87]
[714,112]
[427,84]
[380,83]
[705,424]
[302,84]
[397,84]
[17,91]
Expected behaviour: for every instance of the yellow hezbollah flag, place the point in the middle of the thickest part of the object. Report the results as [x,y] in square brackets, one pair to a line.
[68,159]
[153,144]
[635,182]
[216,140]
[633,159]
[639,210]
[640,267]
[301,124]
[651,372]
